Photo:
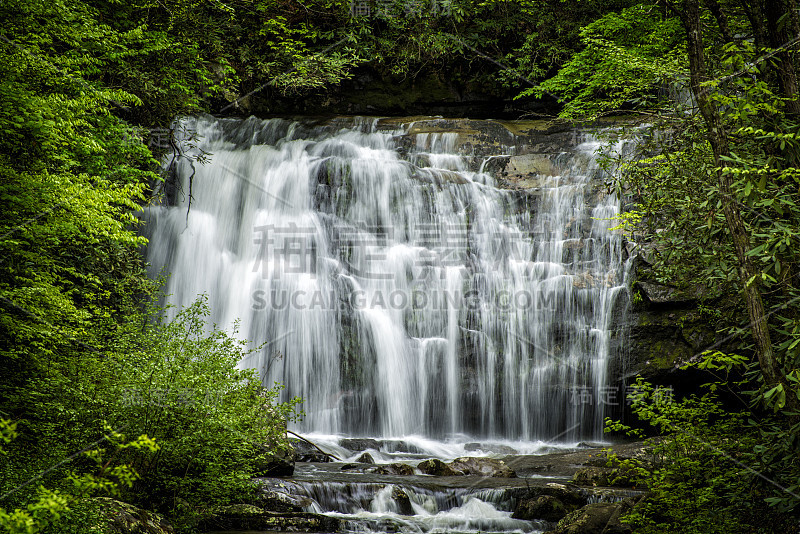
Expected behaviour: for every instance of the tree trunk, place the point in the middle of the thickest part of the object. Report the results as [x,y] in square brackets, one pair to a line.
[753,14]
[722,19]
[718,138]
[778,37]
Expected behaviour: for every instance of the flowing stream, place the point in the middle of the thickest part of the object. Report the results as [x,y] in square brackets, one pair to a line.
[402,287]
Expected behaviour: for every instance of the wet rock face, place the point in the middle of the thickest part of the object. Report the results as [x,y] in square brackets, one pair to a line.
[517,150]
[664,328]
[403,502]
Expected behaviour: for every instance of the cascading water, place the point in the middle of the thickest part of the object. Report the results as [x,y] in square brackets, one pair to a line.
[397,508]
[399,289]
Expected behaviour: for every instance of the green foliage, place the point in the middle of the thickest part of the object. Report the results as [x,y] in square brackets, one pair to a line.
[178,382]
[175,383]
[748,457]
[705,472]
[627,57]
[50,506]
[80,78]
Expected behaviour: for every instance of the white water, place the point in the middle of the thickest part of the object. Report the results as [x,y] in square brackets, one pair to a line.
[369,507]
[400,295]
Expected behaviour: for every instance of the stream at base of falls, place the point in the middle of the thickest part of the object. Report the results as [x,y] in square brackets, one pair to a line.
[365,500]
[369,502]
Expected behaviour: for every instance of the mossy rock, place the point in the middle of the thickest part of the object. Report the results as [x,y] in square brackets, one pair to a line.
[395,469]
[486,467]
[249,517]
[103,515]
[597,518]
[544,507]
[591,519]
[437,467]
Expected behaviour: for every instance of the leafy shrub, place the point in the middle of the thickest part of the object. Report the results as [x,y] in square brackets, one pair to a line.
[180,383]
[705,474]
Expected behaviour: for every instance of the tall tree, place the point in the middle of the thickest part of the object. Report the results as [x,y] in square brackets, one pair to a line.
[701,84]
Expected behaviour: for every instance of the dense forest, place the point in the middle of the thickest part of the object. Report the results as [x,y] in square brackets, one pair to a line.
[101,397]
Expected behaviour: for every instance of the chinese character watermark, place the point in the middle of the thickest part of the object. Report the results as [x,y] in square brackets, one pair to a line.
[153,138]
[608,395]
[399,8]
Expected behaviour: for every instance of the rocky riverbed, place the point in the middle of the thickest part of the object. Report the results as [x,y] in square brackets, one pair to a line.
[369,485]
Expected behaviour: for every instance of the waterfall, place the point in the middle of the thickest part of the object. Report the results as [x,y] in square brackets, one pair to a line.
[399,289]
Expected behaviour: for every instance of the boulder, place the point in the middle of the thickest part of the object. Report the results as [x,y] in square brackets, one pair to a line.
[395,469]
[305,452]
[275,501]
[572,496]
[274,463]
[403,502]
[437,468]
[119,517]
[615,525]
[249,517]
[487,467]
[592,476]
[603,476]
[365,458]
[544,507]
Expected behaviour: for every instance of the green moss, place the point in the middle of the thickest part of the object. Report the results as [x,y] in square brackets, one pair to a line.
[523,128]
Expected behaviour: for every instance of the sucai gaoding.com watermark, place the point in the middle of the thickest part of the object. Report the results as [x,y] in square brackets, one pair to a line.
[431,277]
[420,297]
